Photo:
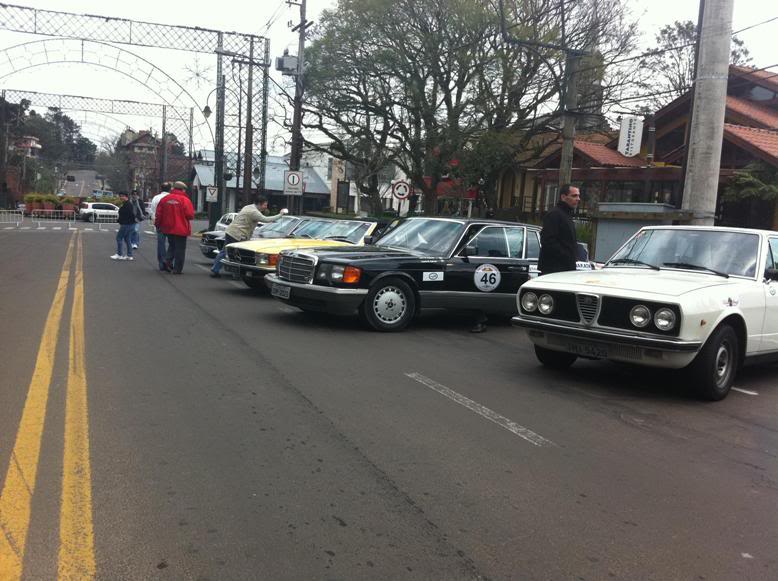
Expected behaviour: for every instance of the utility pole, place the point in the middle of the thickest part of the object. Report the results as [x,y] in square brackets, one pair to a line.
[263,139]
[297,119]
[164,144]
[568,89]
[706,132]
[570,103]
[215,209]
[249,148]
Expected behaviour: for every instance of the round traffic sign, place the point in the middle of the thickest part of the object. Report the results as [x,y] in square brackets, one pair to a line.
[401,190]
[293,178]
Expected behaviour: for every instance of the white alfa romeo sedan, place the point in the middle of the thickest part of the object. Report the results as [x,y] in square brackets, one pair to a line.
[703,299]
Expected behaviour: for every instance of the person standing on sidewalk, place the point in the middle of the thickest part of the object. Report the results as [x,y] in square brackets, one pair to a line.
[126,225]
[161,239]
[140,215]
[558,247]
[174,214]
[242,226]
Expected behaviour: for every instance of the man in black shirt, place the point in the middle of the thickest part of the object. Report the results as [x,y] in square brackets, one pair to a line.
[558,249]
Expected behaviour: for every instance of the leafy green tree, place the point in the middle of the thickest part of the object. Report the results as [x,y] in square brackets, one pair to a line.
[419,83]
[757,181]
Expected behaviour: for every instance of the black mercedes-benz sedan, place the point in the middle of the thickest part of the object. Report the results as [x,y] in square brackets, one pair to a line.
[419,263]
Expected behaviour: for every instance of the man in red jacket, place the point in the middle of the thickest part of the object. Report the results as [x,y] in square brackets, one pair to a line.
[172,218]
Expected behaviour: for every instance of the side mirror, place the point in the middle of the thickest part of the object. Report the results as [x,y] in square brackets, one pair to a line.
[369,240]
[771,274]
[469,250]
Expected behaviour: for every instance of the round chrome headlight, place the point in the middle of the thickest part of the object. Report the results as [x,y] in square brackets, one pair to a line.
[664,319]
[640,316]
[529,302]
[545,304]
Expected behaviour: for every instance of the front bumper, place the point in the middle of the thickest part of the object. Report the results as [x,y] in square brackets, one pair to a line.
[208,250]
[314,297]
[610,344]
[247,270]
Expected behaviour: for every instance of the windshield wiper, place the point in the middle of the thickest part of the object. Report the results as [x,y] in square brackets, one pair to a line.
[337,237]
[695,267]
[633,261]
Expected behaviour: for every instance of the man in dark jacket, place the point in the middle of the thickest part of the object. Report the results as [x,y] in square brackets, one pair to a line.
[558,248]
[126,227]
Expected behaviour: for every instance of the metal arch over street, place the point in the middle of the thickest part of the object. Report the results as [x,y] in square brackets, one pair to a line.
[107,108]
[100,54]
[236,46]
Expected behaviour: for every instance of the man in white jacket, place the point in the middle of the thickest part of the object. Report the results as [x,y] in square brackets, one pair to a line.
[242,226]
[161,250]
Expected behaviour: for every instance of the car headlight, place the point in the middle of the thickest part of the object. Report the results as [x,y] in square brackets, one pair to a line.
[529,302]
[545,304]
[640,316]
[336,272]
[665,319]
[324,271]
[261,259]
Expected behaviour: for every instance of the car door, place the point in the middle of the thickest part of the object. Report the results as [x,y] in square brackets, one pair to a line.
[482,266]
[518,272]
[532,252]
[770,325]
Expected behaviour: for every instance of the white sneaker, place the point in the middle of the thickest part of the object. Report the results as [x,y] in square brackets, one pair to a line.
[129,258]
[134,246]
[117,257]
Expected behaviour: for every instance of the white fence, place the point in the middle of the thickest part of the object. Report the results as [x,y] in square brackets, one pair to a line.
[53,216]
[102,219]
[15,217]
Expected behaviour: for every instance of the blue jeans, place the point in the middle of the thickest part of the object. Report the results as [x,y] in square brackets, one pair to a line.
[161,250]
[217,263]
[124,235]
[135,237]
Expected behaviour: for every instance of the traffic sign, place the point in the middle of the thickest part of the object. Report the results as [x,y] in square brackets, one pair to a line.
[401,190]
[293,183]
[211,194]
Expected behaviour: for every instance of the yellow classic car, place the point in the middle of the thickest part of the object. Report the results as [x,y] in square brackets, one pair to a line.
[253,259]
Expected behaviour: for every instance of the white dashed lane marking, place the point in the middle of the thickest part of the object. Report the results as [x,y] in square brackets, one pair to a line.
[522,432]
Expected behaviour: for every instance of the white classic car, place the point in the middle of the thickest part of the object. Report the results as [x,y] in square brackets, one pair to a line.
[700,298]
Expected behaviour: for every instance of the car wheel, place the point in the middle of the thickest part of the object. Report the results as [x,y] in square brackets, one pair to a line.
[713,370]
[554,359]
[92,217]
[389,306]
[254,283]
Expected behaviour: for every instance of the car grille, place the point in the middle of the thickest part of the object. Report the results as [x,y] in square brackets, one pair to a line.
[296,269]
[242,256]
[587,306]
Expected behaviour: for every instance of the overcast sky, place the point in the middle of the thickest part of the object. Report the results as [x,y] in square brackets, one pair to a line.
[270,17]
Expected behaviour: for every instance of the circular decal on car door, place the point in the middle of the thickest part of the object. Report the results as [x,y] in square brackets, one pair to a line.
[487,278]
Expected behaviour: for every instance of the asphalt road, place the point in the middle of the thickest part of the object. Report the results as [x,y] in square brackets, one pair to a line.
[217,434]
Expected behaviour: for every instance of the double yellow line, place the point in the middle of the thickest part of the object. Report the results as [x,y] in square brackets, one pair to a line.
[76,558]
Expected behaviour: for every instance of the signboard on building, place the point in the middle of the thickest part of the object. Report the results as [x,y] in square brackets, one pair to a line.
[630,135]
[293,183]
[211,194]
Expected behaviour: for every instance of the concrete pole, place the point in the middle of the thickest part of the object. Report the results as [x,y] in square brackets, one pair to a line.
[568,129]
[248,150]
[164,144]
[710,97]
[263,137]
[297,118]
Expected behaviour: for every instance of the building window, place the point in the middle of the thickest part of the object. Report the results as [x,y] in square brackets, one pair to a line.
[329,169]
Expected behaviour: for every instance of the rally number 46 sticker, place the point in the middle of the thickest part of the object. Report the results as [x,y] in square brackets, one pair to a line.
[487,278]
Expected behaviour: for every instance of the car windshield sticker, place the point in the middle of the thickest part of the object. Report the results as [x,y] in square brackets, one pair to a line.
[487,278]
[432,276]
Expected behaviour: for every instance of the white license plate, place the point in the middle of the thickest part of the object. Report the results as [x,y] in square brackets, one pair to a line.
[279,290]
[589,349]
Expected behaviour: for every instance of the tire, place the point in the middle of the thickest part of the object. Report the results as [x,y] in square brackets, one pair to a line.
[92,217]
[389,306]
[713,370]
[554,359]
[254,283]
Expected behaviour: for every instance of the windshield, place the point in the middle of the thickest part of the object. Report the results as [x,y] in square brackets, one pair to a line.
[311,229]
[732,253]
[352,232]
[277,228]
[435,237]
